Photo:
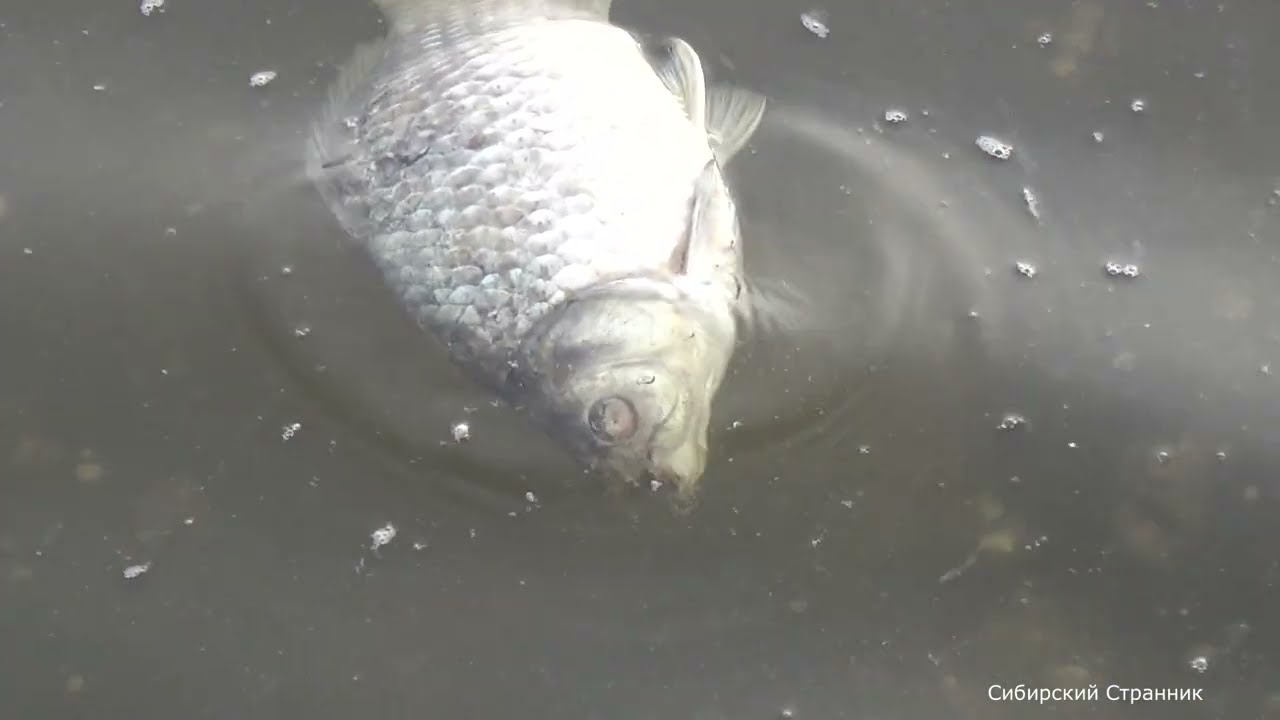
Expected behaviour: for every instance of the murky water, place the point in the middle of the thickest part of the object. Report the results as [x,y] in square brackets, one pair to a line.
[229,479]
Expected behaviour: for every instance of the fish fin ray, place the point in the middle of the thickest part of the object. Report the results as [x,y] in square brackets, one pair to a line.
[332,145]
[733,114]
[680,70]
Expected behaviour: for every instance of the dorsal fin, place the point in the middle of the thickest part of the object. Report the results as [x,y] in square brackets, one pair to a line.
[413,13]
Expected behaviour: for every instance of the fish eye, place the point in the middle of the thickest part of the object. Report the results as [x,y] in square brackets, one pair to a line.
[612,419]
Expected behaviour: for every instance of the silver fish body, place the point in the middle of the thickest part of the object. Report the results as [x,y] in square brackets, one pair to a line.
[546,196]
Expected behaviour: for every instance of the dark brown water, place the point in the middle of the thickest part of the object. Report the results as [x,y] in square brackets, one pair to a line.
[869,545]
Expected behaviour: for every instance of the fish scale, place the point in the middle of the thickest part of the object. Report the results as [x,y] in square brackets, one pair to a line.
[469,169]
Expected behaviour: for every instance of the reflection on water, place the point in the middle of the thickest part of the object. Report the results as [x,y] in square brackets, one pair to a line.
[232,483]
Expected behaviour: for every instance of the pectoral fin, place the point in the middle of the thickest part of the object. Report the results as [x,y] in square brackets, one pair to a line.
[733,114]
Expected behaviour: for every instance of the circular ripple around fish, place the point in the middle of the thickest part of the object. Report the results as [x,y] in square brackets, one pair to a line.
[883,280]
[862,274]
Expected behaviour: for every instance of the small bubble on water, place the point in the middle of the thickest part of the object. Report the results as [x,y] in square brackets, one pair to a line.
[1127,270]
[655,485]
[302,331]
[1138,105]
[1221,455]
[997,149]
[151,6]
[1163,456]
[286,270]
[1098,136]
[864,449]
[1025,269]
[382,536]
[99,87]
[420,545]
[735,424]
[1045,40]
[1265,369]
[1012,421]
[815,21]
[1199,663]
[261,78]
[894,116]
[461,432]
[288,431]
[1199,74]
[134,571]
[531,498]
[28,251]
[1072,445]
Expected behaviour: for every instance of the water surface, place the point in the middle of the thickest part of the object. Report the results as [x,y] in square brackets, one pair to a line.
[201,378]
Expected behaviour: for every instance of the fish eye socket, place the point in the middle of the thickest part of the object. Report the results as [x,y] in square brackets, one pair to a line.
[612,419]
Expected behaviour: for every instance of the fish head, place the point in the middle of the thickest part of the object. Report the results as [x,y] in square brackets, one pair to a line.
[624,374]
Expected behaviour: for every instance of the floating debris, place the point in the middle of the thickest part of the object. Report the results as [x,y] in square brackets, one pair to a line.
[1033,202]
[1115,269]
[99,87]
[531,498]
[1199,663]
[1138,105]
[1025,269]
[302,331]
[382,536]
[1098,136]
[286,270]
[28,251]
[90,472]
[261,78]
[1012,421]
[1045,40]
[997,149]
[864,449]
[420,545]
[736,424]
[134,571]
[189,521]
[894,116]
[655,485]
[815,21]
[288,431]
[461,432]
[151,6]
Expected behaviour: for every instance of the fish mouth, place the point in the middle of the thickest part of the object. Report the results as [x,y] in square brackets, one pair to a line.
[679,469]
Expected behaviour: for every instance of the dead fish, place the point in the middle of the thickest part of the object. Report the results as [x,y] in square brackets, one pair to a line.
[545,192]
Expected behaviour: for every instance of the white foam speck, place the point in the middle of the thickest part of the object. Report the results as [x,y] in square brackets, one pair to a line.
[261,78]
